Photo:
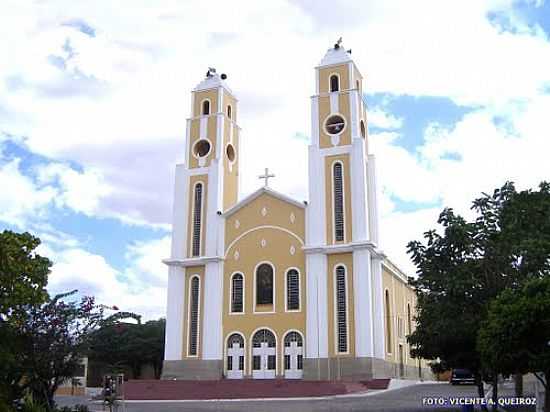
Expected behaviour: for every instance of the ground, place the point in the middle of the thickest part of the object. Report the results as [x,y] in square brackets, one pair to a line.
[406,399]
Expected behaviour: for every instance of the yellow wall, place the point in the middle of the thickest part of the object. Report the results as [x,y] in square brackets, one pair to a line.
[250,253]
[211,94]
[329,160]
[325,73]
[333,261]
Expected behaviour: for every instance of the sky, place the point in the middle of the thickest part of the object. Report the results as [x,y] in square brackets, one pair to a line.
[94,98]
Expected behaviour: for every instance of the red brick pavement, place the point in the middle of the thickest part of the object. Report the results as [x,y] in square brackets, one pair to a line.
[242,389]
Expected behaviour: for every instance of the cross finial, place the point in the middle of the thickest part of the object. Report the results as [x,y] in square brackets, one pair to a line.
[266,176]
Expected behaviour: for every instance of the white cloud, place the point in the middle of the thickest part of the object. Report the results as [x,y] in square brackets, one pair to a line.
[382,119]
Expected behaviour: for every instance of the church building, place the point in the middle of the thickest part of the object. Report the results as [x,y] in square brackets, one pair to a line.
[270,287]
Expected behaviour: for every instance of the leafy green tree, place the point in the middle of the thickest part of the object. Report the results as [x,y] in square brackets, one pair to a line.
[516,334]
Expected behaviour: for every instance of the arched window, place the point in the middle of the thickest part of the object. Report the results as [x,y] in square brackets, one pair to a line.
[264,284]
[341,310]
[194,296]
[292,290]
[338,190]
[237,293]
[363,130]
[388,322]
[334,83]
[229,111]
[197,219]
[206,107]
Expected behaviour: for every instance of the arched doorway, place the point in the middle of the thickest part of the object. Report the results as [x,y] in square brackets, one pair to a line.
[294,355]
[235,356]
[264,354]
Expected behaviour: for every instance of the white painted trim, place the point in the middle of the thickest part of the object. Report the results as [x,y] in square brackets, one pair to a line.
[335,309]
[299,290]
[344,248]
[225,351]
[358,187]
[199,323]
[362,304]
[372,199]
[220,99]
[175,310]
[335,150]
[344,217]
[197,171]
[339,83]
[193,218]
[260,228]
[213,312]
[203,126]
[274,287]
[187,144]
[196,261]
[276,346]
[230,311]
[315,121]
[378,308]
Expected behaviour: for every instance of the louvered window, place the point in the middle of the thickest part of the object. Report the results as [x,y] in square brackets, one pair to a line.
[197,220]
[194,316]
[292,290]
[334,83]
[237,293]
[388,323]
[338,203]
[341,310]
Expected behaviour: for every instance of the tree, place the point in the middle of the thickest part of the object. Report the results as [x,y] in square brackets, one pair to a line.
[53,340]
[467,266]
[516,334]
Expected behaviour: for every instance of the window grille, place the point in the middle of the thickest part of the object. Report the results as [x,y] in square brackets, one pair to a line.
[293,290]
[341,310]
[338,203]
[237,293]
[194,316]
[197,217]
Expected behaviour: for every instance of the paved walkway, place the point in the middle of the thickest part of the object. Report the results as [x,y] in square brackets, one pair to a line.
[242,389]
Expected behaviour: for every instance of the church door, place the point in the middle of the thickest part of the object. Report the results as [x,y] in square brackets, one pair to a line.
[235,356]
[264,355]
[294,352]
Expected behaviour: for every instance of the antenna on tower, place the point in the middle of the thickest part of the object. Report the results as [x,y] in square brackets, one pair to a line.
[211,71]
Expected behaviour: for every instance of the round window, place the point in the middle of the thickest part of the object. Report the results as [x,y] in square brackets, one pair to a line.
[202,148]
[230,151]
[334,124]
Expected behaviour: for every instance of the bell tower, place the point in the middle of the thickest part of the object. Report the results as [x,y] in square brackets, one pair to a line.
[205,186]
[342,221]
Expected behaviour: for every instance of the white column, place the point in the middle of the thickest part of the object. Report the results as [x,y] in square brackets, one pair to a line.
[316,302]
[373,199]
[378,308]
[213,220]
[180,213]
[359,205]
[173,349]
[315,212]
[362,297]
[212,344]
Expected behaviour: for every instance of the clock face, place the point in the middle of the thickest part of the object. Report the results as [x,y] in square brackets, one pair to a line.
[335,124]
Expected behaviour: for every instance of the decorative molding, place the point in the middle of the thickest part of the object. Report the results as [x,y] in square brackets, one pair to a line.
[259,228]
[198,261]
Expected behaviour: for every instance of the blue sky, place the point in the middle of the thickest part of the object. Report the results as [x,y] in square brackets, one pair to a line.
[93,108]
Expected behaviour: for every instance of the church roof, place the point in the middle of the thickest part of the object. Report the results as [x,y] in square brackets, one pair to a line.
[212,81]
[258,193]
[335,55]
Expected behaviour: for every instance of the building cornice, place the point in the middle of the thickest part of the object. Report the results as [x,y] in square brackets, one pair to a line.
[345,248]
[195,261]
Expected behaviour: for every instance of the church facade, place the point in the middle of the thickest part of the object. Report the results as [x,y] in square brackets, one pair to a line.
[270,287]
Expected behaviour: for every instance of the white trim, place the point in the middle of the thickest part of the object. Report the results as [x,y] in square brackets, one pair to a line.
[299,289]
[195,275]
[230,312]
[344,248]
[315,121]
[335,113]
[251,346]
[358,187]
[203,126]
[201,107]
[362,303]
[220,99]
[254,286]
[339,83]
[256,194]
[201,225]
[334,100]
[175,310]
[335,150]
[196,261]
[344,217]
[259,228]
[195,155]
[225,351]
[335,308]
[197,171]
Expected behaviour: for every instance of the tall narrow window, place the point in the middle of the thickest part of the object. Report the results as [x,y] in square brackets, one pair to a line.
[197,218]
[229,111]
[388,322]
[409,319]
[206,107]
[194,315]
[292,290]
[264,285]
[341,310]
[237,293]
[338,202]
[334,83]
